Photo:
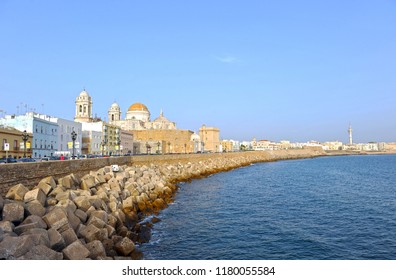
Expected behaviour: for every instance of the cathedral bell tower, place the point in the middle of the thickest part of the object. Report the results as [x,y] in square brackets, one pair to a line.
[114,113]
[83,107]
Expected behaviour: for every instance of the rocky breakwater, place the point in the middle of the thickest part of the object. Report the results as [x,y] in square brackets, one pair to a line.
[102,215]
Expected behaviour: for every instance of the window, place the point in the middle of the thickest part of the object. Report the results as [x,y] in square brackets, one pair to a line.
[15,144]
[80,108]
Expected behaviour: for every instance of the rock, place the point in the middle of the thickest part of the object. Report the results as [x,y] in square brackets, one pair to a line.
[110,230]
[90,233]
[56,191]
[17,192]
[69,236]
[25,227]
[49,181]
[41,252]
[76,251]
[7,226]
[57,242]
[1,203]
[35,208]
[81,215]
[88,182]
[74,221]
[144,234]
[56,218]
[125,247]
[39,235]
[67,204]
[96,222]
[44,187]
[155,220]
[67,182]
[35,219]
[35,195]
[96,249]
[14,247]
[13,212]
[82,203]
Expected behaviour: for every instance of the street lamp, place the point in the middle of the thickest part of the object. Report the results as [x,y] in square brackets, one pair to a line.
[25,137]
[169,147]
[74,137]
[104,142]
[203,147]
[185,148]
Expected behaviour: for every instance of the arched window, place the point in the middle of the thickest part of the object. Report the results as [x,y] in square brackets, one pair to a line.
[112,117]
[80,108]
[85,109]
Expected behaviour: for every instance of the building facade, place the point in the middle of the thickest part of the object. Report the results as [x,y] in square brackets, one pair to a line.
[210,137]
[83,107]
[13,138]
[64,143]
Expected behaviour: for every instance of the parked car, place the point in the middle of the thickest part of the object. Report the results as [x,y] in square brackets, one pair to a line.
[26,160]
[8,160]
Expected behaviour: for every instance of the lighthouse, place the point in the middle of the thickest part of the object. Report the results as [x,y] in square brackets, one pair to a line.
[350,135]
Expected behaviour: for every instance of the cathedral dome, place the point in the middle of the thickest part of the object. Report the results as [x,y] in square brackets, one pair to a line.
[138,107]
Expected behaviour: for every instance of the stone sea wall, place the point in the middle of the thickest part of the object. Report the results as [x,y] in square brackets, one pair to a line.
[102,214]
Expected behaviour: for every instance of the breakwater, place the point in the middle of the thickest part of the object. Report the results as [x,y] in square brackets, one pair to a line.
[102,214]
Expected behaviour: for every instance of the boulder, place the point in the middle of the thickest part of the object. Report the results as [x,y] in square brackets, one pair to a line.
[35,195]
[67,182]
[35,219]
[96,249]
[7,226]
[124,247]
[56,218]
[39,235]
[49,181]
[67,204]
[35,208]
[41,252]
[75,251]
[44,187]
[13,212]
[57,242]
[69,236]
[96,222]
[25,227]
[81,215]
[90,233]
[82,203]
[1,203]
[17,192]
[88,182]
[12,247]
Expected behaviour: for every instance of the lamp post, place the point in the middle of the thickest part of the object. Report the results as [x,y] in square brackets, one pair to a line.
[158,146]
[25,137]
[185,148]
[169,147]
[203,147]
[74,137]
[104,141]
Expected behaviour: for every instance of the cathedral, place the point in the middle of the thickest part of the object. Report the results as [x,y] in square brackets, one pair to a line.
[138,118]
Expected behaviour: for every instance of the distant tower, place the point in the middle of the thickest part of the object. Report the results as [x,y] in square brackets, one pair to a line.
[83,107]
[350,135]
[114,113]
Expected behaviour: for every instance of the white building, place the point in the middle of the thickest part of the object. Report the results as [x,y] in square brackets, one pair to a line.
[45,132]
[65,138]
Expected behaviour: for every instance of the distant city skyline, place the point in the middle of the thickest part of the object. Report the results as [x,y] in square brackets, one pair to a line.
[286,70]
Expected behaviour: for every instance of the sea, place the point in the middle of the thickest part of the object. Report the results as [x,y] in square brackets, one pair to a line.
[326,208]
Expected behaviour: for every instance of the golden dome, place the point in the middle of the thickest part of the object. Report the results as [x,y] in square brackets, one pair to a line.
[138,107]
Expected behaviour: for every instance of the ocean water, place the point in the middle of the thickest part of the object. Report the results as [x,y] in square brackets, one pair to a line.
[328,208]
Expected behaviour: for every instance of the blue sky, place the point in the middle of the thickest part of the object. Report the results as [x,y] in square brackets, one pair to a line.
[295,70]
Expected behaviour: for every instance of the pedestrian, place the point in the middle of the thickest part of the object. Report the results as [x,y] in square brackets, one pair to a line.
[62,157]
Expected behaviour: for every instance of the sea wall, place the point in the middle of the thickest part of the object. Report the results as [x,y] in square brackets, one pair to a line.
[102,214]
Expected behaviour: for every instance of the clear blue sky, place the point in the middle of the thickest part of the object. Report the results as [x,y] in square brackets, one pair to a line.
[295,70]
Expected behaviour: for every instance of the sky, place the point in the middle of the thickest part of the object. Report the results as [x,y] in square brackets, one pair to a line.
[275,70]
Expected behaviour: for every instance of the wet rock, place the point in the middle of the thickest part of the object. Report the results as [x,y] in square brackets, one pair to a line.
[17,192]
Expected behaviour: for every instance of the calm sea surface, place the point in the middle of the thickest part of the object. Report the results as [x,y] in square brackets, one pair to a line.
[324,208]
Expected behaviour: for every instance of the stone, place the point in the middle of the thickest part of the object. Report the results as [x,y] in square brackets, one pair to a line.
[67,204]
[88,183]
[7,226]
[67,182]
[39,235]
[41,252]
[44,187]
[81,215]
[25,227]
[12,247]
[74,221]
[63,195]
[110,231]
[17,192]
[102,215]
[125,247]
[13,212]
[57,190]
[75,251]
[50,181]
[51,201]
[69,236]
[144,234]
[35,219]
[96,249]
[57,242]
[90,233]
[35,195]
[35,208]
[1,203]
[96,222]
[56,218]
[82,203]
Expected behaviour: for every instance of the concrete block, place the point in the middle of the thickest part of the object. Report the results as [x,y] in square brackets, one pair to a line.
[41,252]
[13,212]
[44,187]
[35,208]
[81,215]
[50,181]
[17,192]
[69,236]
[91,233]
[125,247]
[82,203]
[96,222]
[57,242]
[25,227]
[12,247]
[96,249]
[39,235]
[35,219]
[67,204]
[75,251]
[36,194]
[56,218]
